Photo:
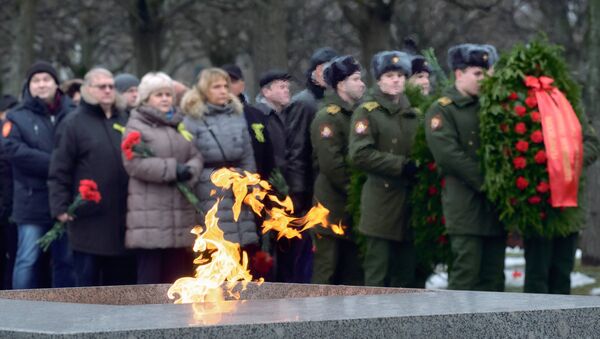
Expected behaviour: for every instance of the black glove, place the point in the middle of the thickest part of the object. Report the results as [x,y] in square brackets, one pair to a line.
[183,172]
[409,170]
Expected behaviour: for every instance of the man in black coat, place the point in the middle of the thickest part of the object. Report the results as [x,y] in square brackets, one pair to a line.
[28,142]
[257,122]
[88,147]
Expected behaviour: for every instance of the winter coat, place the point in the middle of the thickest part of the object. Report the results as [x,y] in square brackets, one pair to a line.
[229,128]
[276,130]
[28,142]
[261,141]
[88,147]
[158,214]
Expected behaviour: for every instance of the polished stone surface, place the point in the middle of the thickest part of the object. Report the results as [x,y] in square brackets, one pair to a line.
[426,314]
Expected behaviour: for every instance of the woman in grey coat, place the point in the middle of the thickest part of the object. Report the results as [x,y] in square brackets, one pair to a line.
[215,118]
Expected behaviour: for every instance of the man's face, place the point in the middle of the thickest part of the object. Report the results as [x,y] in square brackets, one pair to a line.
[353,86]
[130,96]
[317,76]
[278,92]
[237,86]
[421,79]
[161,99]
[218,92]
[392,83]
[43,86]
[469,79]
[102,88]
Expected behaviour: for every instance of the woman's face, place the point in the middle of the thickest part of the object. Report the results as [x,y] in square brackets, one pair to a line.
[161,99]
[218,92]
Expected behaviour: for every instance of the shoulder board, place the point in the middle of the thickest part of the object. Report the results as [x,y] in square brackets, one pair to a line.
[370,105]
[444,101]
[333,109]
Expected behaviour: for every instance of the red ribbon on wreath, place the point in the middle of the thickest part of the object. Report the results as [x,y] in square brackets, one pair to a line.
[563,140]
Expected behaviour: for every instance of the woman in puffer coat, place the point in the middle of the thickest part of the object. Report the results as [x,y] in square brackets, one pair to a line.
[159,218]
[215,118]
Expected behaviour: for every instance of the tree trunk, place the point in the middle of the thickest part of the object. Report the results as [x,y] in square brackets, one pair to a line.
[269,39]
[24,43]
[147,32]
[590,239]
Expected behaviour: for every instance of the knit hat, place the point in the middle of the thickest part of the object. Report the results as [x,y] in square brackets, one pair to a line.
[125,81]
[42,67]
[152,82]
[387,61]
[339,69]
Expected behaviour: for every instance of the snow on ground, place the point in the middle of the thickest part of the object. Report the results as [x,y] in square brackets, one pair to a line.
[514,273]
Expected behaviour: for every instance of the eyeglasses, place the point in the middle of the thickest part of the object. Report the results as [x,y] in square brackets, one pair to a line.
[104,86]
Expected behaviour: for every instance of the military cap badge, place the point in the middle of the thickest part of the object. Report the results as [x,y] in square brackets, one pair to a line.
[395,60]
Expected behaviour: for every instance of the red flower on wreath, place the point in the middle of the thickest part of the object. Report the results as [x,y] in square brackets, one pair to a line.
[431,219]
[536,116]
[513,96]
[537,136]
[522,146]
[443,220]
[504,128]
[432,191]
[432,166]
[542,187]
[519,162]
[442,240]
[534,200]
[443,182]
[88,189]
[520,110]
[531,102]
[520,128]
[522,183]
[540,157]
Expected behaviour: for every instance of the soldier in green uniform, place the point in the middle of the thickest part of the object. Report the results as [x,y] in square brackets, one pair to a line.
[550,261]
[381,137]
[336,257]
[477,238]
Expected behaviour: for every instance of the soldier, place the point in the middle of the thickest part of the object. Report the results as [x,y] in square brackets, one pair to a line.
[420,74]
[381,137]
[336,257]
[477,237]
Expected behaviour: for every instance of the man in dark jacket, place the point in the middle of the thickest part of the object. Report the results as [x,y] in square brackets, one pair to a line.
[88,147]
[8,244]
[257,122]
[28,141]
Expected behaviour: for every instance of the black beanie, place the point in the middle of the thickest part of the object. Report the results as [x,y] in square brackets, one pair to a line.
[42,67]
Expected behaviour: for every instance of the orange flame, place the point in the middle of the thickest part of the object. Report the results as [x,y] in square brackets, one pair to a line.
[221,261]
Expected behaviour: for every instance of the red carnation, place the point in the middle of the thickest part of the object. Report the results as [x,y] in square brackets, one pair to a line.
[522,183]
[443,182]
[262,262]
[442,240]
[542,187]
[132,139]
[531,102]
[534,200]
[537,136]
[513,96]
[88,189]
[431,219]
[432,191]
[540,157]
[443,220]
[517,274]
[432,166]
[520,110]
[522,146]
[519,162]
[520,128]
[536,116]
